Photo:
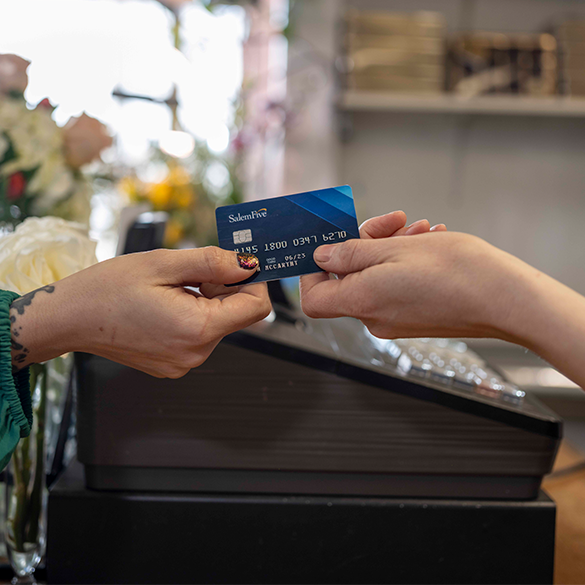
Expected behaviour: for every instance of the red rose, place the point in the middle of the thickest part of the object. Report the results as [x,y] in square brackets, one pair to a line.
[16,185]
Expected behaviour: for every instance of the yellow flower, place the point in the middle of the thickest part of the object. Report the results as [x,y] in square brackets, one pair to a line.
[183,196]
[173,233]
[159,194]
[178,176]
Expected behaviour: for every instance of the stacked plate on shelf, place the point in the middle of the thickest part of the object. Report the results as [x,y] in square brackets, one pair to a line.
[396,52]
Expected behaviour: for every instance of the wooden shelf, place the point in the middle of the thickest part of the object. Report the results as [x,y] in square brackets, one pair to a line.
[557,106]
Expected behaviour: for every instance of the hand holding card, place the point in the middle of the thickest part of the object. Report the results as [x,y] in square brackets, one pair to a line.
[283,232]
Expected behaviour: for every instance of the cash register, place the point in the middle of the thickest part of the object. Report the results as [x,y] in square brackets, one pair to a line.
[295,405]
[308,451]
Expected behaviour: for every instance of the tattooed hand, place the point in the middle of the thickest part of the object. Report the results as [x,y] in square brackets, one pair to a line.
[135,310]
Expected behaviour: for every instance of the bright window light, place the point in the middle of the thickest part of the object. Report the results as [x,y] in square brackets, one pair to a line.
[81,50]
[177,144]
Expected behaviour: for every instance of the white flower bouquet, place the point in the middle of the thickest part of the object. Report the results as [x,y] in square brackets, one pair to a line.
[39,252]
[40,163]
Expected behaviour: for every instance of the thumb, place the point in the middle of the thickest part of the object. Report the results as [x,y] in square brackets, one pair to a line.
[352,255]
[209,265]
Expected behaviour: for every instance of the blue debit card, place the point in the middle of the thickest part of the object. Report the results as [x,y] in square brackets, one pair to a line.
[283,232]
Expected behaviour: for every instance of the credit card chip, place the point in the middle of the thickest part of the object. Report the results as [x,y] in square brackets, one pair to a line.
[242,236]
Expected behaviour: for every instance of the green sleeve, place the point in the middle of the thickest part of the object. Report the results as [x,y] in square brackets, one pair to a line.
[15,401]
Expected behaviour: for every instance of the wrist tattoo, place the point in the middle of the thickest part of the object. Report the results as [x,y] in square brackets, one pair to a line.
[20,354]
[24,301]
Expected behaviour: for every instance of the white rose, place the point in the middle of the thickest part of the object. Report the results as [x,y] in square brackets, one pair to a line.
[41,251]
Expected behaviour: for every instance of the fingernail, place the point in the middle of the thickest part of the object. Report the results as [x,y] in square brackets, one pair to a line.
[436,227]
[323,253]
[412,227]
[248,261]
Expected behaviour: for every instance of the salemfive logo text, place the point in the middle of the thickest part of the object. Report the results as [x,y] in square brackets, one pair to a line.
[252,215]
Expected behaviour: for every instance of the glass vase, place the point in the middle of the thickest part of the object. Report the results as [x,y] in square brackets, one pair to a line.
[26,489]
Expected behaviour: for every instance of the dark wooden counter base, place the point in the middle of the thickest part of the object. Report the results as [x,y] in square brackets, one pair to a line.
[141,537]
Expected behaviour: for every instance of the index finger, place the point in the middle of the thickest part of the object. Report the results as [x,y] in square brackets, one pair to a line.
[382,226]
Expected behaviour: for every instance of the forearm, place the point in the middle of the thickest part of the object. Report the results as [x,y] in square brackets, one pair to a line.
[39,325]
[548,318]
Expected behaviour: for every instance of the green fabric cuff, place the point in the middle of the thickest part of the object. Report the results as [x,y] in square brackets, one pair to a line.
[15,400]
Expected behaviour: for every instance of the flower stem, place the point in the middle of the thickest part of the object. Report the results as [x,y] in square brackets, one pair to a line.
[19,517]
[36,496]
[25,519]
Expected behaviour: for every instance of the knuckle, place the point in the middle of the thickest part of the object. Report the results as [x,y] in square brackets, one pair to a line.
[357,300]
[206,337]
[158,259]
[176,372]
[198,360]
[366,307]
[264,309]
[205,332]
[213,258]
[377,330]
[458,239]
[348,252]
[308,307]
[159,255]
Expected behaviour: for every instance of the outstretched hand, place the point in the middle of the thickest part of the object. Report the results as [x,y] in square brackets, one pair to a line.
[315,287]
[435,285]
[136,310]
[406,287]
